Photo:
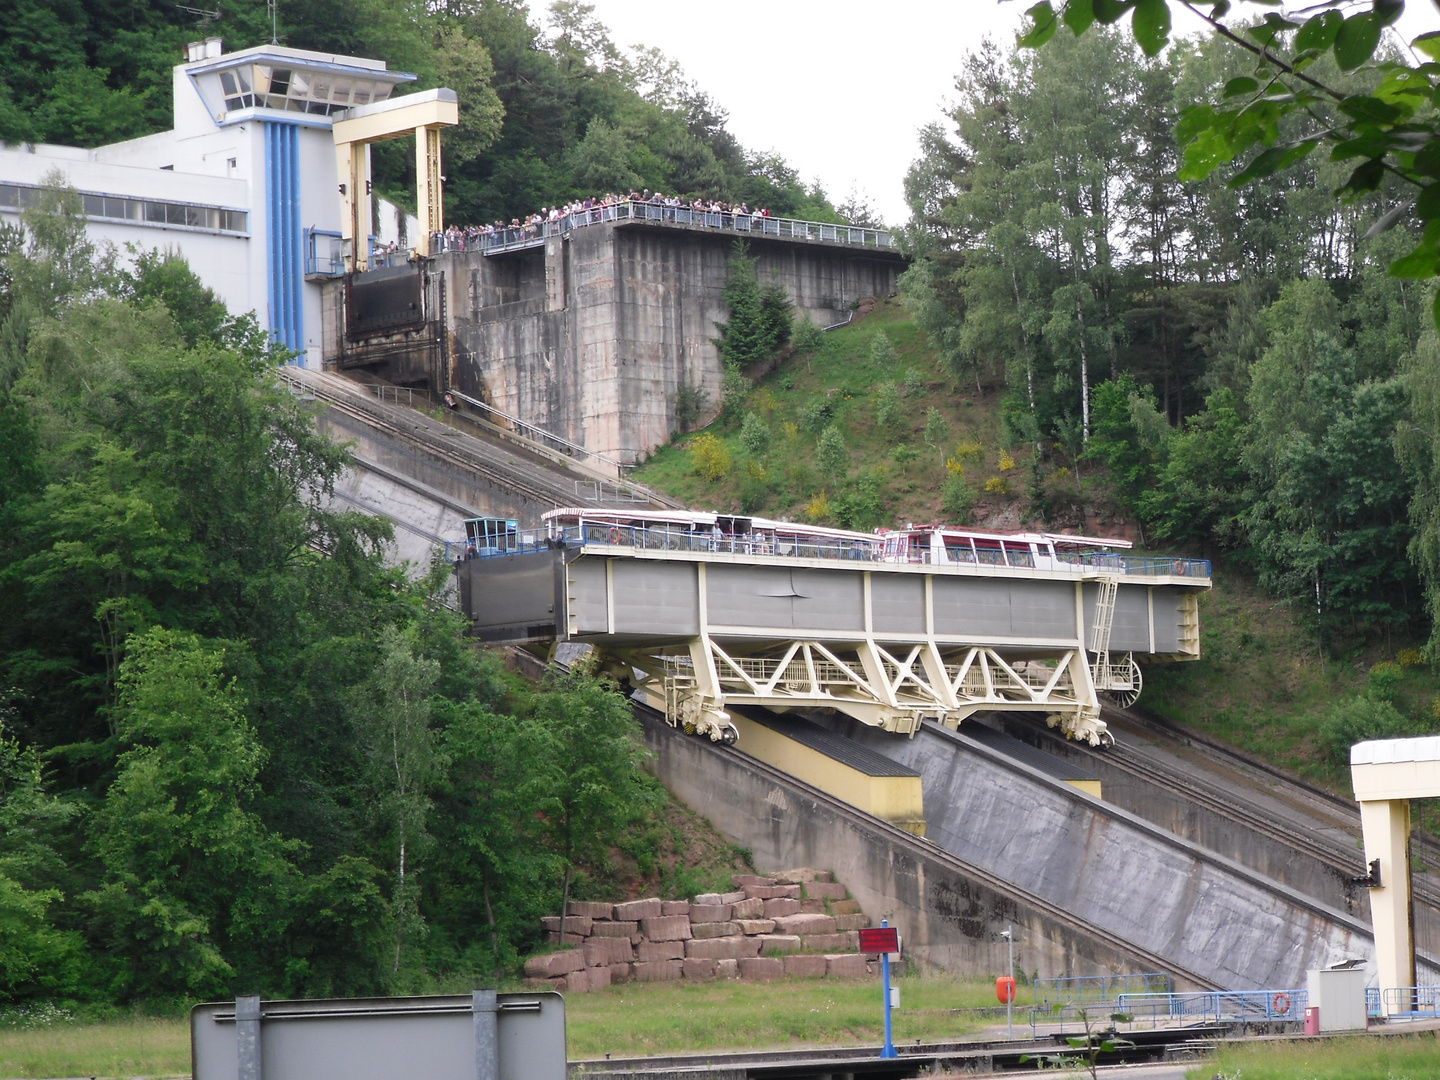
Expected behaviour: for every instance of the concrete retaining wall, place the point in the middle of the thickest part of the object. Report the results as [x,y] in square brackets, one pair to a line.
[593,335]
[950,913]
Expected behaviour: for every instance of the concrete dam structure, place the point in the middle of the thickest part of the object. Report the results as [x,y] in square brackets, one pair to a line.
[595,334]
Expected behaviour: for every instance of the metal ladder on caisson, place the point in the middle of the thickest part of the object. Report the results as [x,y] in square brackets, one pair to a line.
[1100,636]
[1085,723]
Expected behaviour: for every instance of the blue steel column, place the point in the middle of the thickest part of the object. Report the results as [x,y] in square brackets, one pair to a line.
[284,256]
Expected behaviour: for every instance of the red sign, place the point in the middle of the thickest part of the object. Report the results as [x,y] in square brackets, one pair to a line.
[880,939]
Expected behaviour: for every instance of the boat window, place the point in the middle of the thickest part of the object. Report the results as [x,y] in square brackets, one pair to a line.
[1019,555]
[989,553]
[959,551]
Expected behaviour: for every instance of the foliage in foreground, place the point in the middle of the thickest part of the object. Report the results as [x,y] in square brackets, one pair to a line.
[237,750]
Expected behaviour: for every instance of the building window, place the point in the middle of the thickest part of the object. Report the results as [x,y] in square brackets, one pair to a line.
[110,208]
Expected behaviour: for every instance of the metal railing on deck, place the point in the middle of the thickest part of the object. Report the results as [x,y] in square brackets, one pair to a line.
[1407,1001]
[667,537]
[1156,565]
[526,236]
[1217,1005]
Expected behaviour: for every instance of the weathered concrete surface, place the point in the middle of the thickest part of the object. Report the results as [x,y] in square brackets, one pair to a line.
[949,911]
[593,335]
[1203,912]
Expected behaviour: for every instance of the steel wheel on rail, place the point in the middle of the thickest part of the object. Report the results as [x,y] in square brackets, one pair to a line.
[1121,694]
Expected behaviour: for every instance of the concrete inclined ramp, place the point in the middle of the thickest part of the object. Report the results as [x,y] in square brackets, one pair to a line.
[1201,915]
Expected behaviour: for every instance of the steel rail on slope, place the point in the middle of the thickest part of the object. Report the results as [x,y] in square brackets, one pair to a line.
[510,475]
[898,837]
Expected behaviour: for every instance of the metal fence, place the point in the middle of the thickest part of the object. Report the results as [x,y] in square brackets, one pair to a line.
[1407,1001]
[1138,564]
[1248,1006]
[1079,989]
[600,491]
[526,236]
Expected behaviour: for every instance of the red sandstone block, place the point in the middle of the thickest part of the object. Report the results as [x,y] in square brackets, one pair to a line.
[740,881]
[700,913]
[807,967]
[591,909]
[814,906]
[598,976]
[727,969]
[781,905]
[714,929]
[675,907]
[824,875]
[604,951]
[574,924]
[750,908]
[555,964]
[650,952]
[577,982]
[771,944]
[666,928]
[707,898]
[614,929]
[731,897]
[805,924]
[755,926]
[570,939]
[795,877]
[827,942]
[635,910]
[770,892]
[750,945]
[698,969]
[846,966]
[825,890]
[720,948]
[844,907]
[851,922]
[661,971]
[622,973]
[761,968]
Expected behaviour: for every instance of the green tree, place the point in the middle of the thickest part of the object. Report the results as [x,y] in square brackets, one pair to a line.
[755,435]
[831,456]
[889,411]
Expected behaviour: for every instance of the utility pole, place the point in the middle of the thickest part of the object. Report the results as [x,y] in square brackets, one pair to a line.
[1009,935]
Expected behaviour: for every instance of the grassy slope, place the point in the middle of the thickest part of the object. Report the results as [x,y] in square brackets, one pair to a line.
[1260,684]
[1396,1057]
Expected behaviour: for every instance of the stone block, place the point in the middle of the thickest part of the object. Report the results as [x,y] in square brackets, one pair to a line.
[599,977]
[748,908]
[805,967]
[727,969]
[761,968]
[698,969]
[755,926]
[781,905]
[812,906]
[825,890]
[824,875]
[846,966]
[805,924]
[714,929]
[708,898]
[650,952]
[851,922]
[826,942]
[700,913]
[731,897]
[554,964]
[770,892]
[775,944]
[577,982]
[795,877]
[574,924]
[660,971]
[675,907]
[739,881]
[604,951]
[622,973]
[720,948]
[635,910]
[591,909]
[570,939]
[614,929]
[844,907]
[853,937]
[666,928]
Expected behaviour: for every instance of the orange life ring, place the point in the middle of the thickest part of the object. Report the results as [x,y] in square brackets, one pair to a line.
[1281,1004]
[614,534]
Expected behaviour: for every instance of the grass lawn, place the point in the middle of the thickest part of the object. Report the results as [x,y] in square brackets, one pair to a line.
[659,1018]
[142,1046]
[1394,1057]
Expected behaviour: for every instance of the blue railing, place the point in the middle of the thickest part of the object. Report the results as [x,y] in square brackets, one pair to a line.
[1403,1001]
[525,236]
[1217,1005]
[1153,565]
[1079,989]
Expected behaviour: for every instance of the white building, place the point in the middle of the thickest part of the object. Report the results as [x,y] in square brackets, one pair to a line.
[245,186]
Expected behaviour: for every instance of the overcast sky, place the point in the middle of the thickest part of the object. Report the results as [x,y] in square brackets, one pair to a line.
[838,87]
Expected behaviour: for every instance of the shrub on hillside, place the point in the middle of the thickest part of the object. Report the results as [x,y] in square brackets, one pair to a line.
[881,351]
[860,506]
[1359,719]
[806,337]
[889,410]
[709,458]
[957,498]
[817,413]
[937,428]
[831,457]
[754,435]
[913,386]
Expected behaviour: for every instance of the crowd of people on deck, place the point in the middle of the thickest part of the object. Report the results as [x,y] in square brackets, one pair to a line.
[590,210]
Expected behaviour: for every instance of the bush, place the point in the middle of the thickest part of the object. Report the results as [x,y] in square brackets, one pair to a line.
[889,410]
[806,337]
[881,351]
[754,489]
[913,386]
[996,485]
[754,435]
[1359,719]
[1383,680]
[937,428]
[690,402]
[831,457]
[709,458]
[859,506]
[817,413]
[818,508]
[957,498]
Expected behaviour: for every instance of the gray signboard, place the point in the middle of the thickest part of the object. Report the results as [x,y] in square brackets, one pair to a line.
[479,1036]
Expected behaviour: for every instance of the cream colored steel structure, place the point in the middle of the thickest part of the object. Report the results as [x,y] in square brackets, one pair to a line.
[890,644]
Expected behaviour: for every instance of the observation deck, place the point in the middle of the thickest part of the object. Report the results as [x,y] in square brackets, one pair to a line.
[786,616]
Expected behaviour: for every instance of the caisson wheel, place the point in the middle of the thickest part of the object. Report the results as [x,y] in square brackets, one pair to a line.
[1131,694]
